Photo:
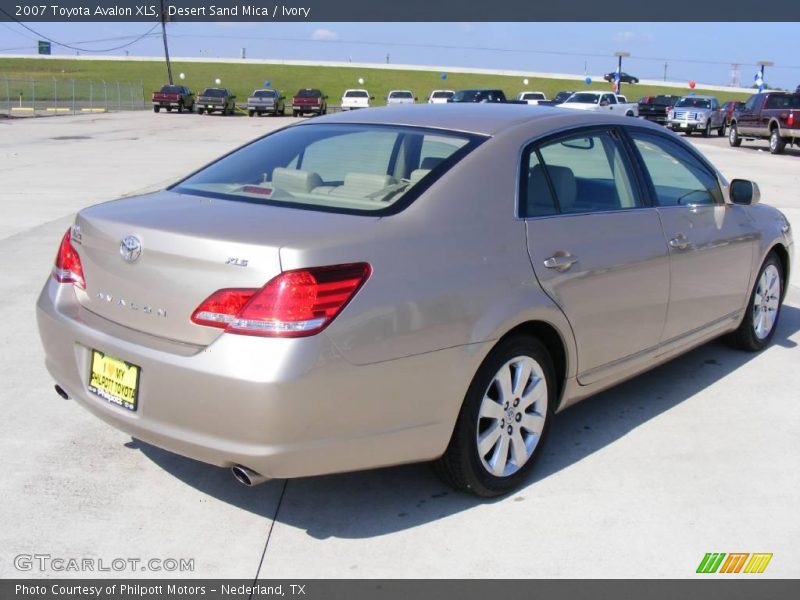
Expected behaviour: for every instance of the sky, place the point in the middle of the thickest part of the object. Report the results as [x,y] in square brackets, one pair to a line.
[702,52]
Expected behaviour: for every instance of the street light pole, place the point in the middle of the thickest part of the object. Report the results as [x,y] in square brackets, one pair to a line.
[619,56]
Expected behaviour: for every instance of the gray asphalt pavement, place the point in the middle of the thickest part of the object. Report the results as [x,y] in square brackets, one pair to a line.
[700,455]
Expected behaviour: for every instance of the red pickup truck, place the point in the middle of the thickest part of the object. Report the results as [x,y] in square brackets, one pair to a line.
[772,115]
[309,100]
[173,96]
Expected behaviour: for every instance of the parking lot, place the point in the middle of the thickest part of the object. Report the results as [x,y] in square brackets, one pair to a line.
[700,455]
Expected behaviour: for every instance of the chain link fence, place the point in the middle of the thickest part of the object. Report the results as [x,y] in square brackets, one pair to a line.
[53,96]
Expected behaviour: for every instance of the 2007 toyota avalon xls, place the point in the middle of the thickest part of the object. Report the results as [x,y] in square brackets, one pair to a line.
[420,283]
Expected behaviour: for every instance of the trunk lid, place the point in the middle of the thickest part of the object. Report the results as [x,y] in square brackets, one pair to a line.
[190,247]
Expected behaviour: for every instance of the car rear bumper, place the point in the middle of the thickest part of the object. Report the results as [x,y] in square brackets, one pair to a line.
[281,407]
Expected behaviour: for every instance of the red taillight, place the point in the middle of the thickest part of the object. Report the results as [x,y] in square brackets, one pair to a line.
[293,304]
[68,267]
[790,120]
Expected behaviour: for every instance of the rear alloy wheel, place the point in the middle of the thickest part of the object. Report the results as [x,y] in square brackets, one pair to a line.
[722,128]
[503,422]
[733,136]
[758,325]
[776,142]
[707,130]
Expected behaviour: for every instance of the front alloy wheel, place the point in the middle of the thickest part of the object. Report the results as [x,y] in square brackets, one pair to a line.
[504,420]
[758,324]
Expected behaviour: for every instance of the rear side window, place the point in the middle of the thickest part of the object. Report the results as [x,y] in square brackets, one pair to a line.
[577,174]
[679,178]
[341,168]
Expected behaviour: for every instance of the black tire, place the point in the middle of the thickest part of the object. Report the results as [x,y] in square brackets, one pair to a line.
[461,466]
[722,128]
[199,111]
[733,136]
[745,338]
[687,133]
[180,107]
[250,113]
[776,143]
[156,109]
[707,130]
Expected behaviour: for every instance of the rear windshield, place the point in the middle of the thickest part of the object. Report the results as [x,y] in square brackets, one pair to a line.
[693,103]
[309,93]
[215,92]
[401,95]
[670,100]
[561,96]
[356,94]
[442,94]
[583,98]
[357,169]
[532,96]
[171,89]
[264,94]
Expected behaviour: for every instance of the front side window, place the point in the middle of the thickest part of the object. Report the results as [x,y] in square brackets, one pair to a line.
[679,178]
[583,98]
[346,168]
[577,174]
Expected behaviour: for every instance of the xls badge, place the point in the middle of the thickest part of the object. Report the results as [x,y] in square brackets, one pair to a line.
[130,248]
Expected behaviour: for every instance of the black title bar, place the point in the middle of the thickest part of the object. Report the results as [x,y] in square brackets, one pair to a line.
[397,11]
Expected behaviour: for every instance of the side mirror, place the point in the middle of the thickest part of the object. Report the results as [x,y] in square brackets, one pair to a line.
[743,191]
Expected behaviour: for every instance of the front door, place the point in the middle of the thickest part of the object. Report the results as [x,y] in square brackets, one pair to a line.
[711,243]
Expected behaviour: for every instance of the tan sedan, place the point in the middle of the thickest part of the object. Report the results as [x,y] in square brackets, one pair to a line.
[416,283]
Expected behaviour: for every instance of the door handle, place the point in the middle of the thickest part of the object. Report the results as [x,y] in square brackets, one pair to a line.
[680,242]
[560,262]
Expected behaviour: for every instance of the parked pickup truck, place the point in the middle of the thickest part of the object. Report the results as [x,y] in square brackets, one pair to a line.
[309,100]
[216,99]
[601,101]
[483,97]
[771,115]
[532,97]
[353,99]
[173,96]
[265,102]
[656,108]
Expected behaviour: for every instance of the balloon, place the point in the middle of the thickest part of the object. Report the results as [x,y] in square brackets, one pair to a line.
[218,81]
[587,80]
[525,81]
[443,75]
[360,81]
[182,76]
[692,83]
[692,93]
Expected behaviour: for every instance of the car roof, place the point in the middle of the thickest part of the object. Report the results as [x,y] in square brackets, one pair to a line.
[481,119]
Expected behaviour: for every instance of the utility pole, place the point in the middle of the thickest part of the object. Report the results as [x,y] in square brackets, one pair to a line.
[665,71]
[166,46]
[619,55]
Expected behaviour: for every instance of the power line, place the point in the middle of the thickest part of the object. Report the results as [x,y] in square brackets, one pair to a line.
[63,45]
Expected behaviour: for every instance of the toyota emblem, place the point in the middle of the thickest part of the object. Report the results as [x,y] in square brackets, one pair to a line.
[130,248]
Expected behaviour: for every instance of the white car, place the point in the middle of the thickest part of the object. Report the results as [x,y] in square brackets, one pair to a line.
[601,101]
[440,96]
[400,97]
[531,97]
[353,99]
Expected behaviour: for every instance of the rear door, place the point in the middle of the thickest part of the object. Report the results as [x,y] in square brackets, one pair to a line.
[597,250]
[747,122]
[711,243]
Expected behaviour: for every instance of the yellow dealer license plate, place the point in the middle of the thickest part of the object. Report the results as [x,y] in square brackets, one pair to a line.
[114,380]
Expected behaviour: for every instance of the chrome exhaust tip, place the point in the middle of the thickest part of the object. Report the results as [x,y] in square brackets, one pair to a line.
[247,476]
